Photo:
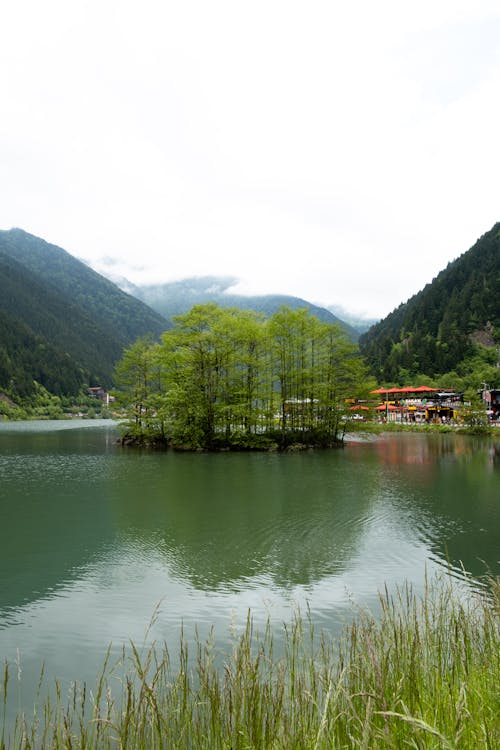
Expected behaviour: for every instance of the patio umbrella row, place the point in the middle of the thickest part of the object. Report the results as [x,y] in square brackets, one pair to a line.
[386,391]
[406,389]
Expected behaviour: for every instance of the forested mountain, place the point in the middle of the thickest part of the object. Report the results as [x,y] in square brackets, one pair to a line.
[113,309]
[177,297]
[61,324]
[441,327]
[26,357]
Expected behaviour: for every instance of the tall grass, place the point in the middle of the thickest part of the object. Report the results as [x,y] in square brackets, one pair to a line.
[424,673]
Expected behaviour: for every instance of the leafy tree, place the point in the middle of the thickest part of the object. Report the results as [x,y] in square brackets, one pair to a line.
[219,376]
[474,415]
[138,376]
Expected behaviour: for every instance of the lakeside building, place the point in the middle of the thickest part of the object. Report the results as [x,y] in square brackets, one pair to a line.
[99,393]
[419,404]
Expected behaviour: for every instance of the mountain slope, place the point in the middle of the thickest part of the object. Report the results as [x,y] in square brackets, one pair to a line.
[176,297]
[26,357]
[61,324]
[55,320]
[437,328]
[122,315]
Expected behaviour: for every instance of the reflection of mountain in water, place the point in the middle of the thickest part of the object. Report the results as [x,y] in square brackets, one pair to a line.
[68,499]
[224,519]
[52,517]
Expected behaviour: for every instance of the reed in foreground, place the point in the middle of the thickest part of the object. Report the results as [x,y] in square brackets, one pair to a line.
[424,673]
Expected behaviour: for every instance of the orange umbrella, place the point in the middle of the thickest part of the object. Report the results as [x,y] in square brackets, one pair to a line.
[390,390]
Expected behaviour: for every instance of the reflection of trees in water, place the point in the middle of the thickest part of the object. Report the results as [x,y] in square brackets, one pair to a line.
[221,520]
[224,519]
[455,485]
[494,455]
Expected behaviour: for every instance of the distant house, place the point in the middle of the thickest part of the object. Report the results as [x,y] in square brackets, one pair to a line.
[99,393]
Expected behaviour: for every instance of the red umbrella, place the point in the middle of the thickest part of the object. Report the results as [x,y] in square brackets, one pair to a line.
[388,407]
[406,389]
[390,390]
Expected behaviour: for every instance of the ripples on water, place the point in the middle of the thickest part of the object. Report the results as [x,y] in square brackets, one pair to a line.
[96,537]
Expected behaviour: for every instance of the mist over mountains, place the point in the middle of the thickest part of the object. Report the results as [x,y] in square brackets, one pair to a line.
[65,326]
[61,324]
[177,297]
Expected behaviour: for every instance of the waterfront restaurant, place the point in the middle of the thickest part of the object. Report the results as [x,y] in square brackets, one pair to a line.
[418,404]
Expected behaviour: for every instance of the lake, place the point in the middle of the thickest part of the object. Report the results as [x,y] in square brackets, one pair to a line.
[96,538]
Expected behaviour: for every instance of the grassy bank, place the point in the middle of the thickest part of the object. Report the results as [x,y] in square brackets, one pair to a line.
[425,673]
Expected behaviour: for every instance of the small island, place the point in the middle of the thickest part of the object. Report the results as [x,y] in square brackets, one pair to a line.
[230,379]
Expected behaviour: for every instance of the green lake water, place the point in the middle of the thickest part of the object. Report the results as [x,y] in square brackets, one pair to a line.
[95,537]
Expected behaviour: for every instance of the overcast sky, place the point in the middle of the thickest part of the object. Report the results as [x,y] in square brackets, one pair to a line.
[342,152]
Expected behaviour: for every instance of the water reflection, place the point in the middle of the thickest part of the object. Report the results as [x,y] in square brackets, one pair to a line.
[71,501]
[450,485]
[93,536]
[224,519]
[52,516]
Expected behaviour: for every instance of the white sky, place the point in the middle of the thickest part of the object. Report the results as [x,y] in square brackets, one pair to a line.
[342,152]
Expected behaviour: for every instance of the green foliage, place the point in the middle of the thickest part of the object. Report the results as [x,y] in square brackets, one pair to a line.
[227,377]
[9,410]
[470,374]
[139,382]
[438,329]
[423,674]
[44,405]
[474,415]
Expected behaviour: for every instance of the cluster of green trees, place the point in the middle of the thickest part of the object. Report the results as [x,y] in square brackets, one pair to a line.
[230,377]
[43,404]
